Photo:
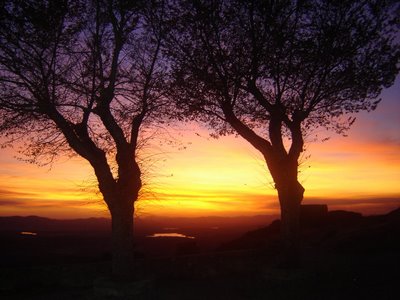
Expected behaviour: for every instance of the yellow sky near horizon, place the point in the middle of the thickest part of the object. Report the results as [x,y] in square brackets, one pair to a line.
[224,177]
[211,177]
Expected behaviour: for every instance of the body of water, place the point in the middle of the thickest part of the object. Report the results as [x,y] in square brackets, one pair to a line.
[170,234]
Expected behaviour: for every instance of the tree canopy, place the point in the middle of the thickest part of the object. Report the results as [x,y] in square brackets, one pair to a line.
[315,60]
[79,64]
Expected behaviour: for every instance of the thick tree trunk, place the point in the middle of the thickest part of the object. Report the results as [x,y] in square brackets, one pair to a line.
[290,197]
[122,238]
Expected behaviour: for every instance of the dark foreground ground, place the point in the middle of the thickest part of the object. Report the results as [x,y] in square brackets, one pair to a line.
[346,256]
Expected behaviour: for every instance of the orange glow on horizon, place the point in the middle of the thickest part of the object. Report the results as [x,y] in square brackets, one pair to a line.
[224,177]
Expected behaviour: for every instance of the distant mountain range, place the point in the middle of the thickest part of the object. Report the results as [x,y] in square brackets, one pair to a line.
[38,240]
[313,217]
[142,225]
[40,224]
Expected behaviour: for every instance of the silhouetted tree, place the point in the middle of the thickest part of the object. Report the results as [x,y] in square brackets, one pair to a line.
[82,77]
[272,71]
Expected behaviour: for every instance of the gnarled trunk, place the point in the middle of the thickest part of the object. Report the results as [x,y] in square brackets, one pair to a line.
[120,196]
[283,165]
[284,171]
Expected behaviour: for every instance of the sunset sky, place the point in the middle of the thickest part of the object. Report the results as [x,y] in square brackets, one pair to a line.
[202,176]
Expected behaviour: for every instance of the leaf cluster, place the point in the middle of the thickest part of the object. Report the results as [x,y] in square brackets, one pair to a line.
[312,62]
[79,74]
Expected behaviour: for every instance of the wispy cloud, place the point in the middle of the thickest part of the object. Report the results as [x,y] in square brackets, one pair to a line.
[5,193]
[5,202]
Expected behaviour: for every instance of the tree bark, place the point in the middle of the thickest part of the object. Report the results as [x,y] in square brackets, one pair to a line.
[122,238]
[290,196]
[120,195]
